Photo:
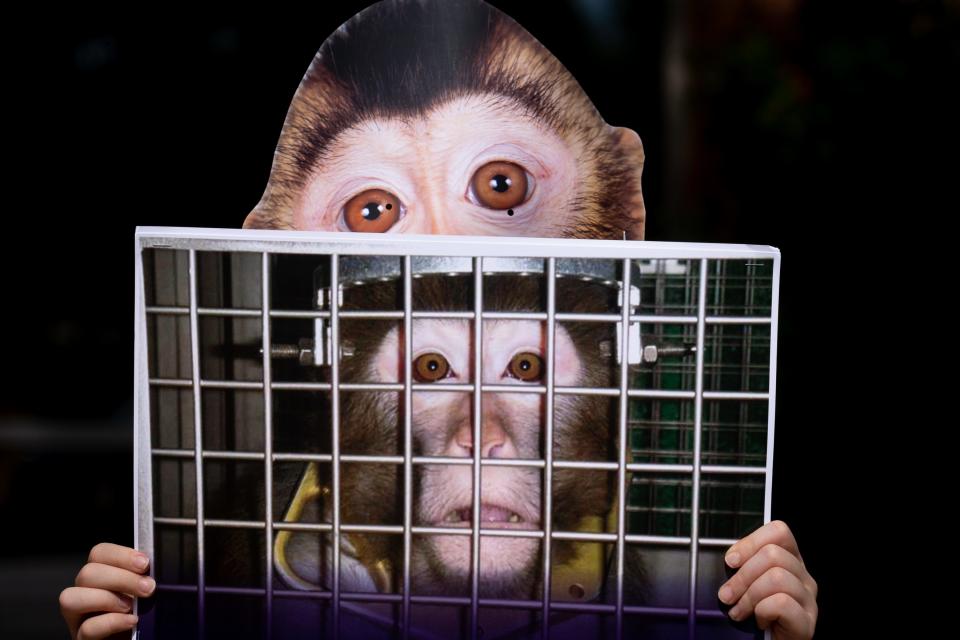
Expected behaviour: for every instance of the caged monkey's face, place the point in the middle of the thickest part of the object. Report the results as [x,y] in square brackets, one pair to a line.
[514,354]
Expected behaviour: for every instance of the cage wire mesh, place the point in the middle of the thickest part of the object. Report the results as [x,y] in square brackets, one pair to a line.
[241,457]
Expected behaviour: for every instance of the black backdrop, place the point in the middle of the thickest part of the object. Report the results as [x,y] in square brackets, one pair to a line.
[817,128]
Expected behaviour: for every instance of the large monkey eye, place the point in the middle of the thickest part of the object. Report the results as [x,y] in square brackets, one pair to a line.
[430,367]
[526,366]
[373,211]
[499,185]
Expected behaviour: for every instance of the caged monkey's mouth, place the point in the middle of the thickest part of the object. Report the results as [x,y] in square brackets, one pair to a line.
[492,516]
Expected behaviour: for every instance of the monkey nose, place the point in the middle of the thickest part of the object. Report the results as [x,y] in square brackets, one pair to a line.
[490,449]
[493,436]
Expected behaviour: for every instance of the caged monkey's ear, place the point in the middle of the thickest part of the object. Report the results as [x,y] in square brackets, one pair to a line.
[627,141]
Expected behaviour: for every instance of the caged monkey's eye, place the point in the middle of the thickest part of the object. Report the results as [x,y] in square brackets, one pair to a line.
[499,185]
[430,367]
[526,366]
[372,211]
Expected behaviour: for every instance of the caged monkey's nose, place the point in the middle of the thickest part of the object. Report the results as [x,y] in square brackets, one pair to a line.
[494,440]
[490,449]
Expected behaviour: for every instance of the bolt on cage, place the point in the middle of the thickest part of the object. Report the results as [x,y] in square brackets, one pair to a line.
[694,422]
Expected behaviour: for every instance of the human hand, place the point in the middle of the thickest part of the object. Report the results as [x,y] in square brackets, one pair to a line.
[772,583]
[98,605]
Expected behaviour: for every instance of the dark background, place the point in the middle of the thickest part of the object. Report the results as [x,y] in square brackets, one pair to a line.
[822,128]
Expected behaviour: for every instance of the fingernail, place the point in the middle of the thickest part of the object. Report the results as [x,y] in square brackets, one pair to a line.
[140,561]
[125,603]
[725,594]
[147,585]
[733,559]
[734,613]
[132,619]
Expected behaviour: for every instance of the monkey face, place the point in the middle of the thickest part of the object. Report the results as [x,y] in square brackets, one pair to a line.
[475,165]
[446,116]
[511,428]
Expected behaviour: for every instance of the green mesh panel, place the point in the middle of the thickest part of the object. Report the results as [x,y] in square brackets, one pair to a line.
[736,358]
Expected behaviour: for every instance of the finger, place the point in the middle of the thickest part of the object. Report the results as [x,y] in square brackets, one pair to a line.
[765,559]
[790,621]
[104,576]
[776,532]
[75,602]
[118,556]
[776,580]
[104,626]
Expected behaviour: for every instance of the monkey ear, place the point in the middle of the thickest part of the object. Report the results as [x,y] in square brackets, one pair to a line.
[631,148]
[253,221]
[265,216]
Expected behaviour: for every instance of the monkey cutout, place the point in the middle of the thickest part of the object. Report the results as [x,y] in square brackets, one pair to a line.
[446,116]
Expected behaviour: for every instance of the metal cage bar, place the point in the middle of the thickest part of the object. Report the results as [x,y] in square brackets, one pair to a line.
[198,441]
[477,446]
[633,467]
[407,438]
[622,442]
[335,434]
[697,443]
[267,437]
[458,315]
[459,388]
[679,541]
[551,353]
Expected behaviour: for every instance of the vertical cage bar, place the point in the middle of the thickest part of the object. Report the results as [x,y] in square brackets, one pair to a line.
[622,440]
[267,437]
[697,435]
[689,331]
[746,370]
[407,436]
[746,363]
[197,439]
[335,430]
[548,445]
[477,445]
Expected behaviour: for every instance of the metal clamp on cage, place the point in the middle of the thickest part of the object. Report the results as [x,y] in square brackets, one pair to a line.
[361,270]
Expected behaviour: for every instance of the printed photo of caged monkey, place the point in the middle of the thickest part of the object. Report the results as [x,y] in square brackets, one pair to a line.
[356,432]
[447,117]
